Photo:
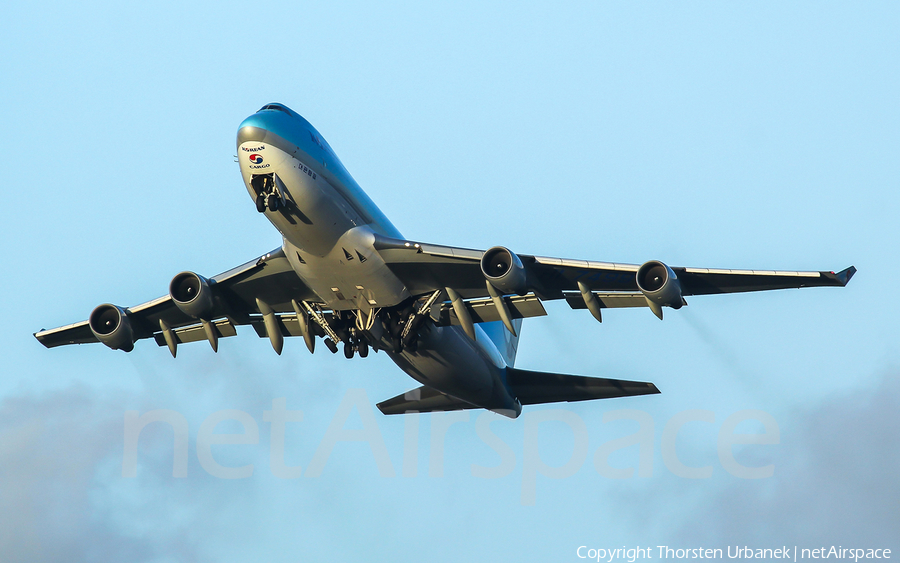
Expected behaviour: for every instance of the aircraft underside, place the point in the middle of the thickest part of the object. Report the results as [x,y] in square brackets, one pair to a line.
[449,317]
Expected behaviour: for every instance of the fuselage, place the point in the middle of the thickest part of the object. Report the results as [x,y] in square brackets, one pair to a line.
[329,225]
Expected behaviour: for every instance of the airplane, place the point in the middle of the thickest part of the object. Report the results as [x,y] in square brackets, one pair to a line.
[449,317]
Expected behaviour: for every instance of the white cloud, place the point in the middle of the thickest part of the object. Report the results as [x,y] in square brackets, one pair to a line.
[836,482]
[55,450]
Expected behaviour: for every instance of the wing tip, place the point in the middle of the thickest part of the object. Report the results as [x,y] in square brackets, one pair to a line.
[843,277]
[39,337]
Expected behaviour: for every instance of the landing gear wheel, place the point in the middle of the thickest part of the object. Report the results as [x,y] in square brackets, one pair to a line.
[348,350]
[261,203]
[363,349]
[273,202]
[329,343]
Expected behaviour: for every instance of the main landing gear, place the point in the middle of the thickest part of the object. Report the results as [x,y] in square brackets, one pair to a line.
[341,327]
[405,323]
[395,329]
[356,343]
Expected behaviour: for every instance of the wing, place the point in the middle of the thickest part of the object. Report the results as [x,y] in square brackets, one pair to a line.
[427,267]
[268,279]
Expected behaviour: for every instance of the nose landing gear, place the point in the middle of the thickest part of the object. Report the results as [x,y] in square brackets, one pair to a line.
[267,193]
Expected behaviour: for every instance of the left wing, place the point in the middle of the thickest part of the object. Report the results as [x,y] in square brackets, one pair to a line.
[234,297]
[584,284]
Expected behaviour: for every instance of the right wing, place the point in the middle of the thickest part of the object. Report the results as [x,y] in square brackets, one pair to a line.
[268,278]
[424,268]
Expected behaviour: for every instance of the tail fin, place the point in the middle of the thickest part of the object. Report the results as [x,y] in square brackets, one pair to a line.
[506,343]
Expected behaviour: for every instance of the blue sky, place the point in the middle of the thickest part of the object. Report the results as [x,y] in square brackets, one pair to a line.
[759,135]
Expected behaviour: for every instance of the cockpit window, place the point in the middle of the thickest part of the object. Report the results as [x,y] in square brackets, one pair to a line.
[275,106]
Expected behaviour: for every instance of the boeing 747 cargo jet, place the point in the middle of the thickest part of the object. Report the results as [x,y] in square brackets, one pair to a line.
[449,317]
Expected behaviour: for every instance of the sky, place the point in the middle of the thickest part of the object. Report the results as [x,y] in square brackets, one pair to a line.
[756,135]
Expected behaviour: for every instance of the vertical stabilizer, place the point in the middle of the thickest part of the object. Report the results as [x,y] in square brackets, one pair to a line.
[505,342]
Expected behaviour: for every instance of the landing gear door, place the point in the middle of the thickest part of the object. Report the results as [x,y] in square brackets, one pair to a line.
[282,190]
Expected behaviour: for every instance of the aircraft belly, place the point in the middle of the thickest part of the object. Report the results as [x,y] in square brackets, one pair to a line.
[352,275]
[449,361]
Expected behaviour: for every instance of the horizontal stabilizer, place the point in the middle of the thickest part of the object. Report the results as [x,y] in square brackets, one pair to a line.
[537,387]
[530,387]
[423,399]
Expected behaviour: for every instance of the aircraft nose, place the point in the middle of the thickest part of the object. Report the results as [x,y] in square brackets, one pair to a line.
[274,118]
[255,138]
[252,130]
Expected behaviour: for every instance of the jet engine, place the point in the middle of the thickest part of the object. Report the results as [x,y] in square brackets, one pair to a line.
[192,295]
[111,326]
[659,284]
[504,270]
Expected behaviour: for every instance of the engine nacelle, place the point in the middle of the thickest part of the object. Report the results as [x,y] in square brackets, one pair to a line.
[192,295]
[659,284]
[111,326]
[504,270]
